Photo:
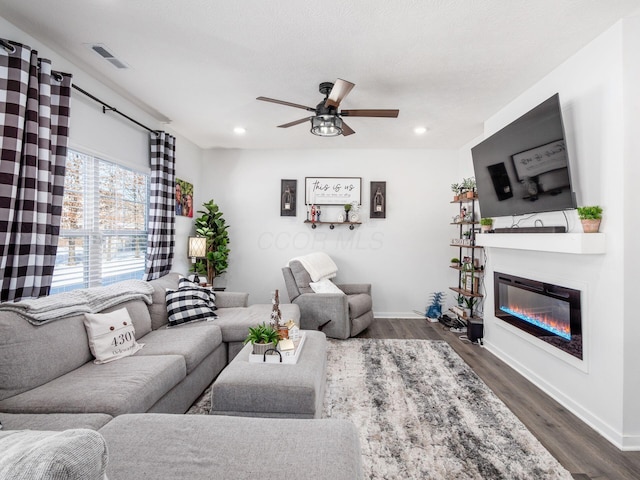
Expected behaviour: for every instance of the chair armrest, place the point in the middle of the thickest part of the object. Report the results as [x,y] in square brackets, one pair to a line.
[316,309]
[231,299]
[353,288]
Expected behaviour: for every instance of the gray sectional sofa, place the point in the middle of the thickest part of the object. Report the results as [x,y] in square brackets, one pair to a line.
[48,381]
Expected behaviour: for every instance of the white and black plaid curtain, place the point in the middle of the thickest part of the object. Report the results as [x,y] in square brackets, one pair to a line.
[162,214]
[34,107]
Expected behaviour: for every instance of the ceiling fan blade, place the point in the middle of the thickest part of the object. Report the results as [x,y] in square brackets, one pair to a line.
[340,90]
[297,122]
[288,104]
[347,130]
[370,113]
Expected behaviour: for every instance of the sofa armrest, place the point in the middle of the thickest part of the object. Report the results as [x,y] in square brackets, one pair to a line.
[354,288]
[317,309]
[231,299]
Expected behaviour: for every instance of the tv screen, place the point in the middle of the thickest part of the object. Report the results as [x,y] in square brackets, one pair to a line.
[524,168]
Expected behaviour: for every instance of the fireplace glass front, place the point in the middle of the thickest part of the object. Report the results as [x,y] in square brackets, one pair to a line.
[549,312]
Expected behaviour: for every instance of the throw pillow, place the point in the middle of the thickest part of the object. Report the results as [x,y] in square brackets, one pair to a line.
[78,454]
[111,335]
[324,286]
[190,303]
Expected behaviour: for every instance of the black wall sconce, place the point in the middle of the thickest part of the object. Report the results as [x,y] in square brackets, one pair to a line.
[288,198]
[378,202]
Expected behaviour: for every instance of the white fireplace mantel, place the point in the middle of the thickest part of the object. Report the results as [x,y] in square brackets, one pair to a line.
[576,243]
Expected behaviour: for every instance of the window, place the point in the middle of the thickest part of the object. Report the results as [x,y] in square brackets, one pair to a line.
[103,233]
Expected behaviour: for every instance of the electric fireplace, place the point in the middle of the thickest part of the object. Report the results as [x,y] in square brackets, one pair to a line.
[549,312]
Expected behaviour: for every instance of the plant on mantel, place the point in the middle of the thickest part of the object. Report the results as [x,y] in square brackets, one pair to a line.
[590,217]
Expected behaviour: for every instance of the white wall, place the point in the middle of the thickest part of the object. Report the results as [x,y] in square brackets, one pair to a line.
[404,256]
[590,85]
[631,168]
[111,136]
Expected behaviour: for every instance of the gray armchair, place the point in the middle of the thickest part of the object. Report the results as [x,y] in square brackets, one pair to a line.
[337,315]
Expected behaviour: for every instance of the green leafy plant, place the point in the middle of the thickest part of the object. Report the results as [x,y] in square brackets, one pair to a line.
[469,302]
[486,221]
[469,184]
[347,207]
[590,213]
[212,225]
[455,260]
[262,334]
[455,188]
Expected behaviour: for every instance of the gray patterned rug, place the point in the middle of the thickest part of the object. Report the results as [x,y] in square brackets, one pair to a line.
[423,413]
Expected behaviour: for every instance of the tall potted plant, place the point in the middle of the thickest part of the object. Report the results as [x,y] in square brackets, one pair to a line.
[212,225]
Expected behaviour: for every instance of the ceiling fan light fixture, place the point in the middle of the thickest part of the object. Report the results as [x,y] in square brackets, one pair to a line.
[326,125]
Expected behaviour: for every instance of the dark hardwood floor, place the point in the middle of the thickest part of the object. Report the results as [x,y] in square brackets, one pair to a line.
[580,449]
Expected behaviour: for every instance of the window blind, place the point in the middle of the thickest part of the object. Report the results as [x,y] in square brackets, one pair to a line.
[103,234]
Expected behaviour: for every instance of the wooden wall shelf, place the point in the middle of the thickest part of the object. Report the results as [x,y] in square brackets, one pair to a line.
[332,225]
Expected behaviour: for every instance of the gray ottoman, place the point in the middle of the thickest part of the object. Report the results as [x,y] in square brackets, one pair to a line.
[274,390]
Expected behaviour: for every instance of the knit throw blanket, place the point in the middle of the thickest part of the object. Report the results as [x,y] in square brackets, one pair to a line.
[319,265]
[85,300]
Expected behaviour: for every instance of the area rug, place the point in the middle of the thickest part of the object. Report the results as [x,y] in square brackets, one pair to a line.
[422,413]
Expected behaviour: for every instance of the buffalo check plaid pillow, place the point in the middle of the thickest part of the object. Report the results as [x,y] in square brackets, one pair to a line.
[189,303]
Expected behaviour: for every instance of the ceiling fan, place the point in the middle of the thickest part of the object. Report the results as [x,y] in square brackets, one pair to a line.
[327,121]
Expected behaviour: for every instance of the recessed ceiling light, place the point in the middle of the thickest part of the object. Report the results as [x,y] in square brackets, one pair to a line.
[239,130]
[420,130]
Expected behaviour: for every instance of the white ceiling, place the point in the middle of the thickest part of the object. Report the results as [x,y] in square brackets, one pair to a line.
[446,64]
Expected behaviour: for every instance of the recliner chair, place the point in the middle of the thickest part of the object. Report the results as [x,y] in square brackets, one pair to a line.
[338,315]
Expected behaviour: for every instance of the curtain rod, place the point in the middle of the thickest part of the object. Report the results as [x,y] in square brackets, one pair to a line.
[106,107]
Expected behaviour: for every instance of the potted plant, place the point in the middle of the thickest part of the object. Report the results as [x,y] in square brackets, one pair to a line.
[590,218]
[469,303]
[262,337]
[469,186]
[455,188]
[347,207]
[486,224]
[212,225]
[455,262]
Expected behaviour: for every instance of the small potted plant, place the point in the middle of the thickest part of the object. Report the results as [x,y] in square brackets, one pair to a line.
[469,303]
[455,188]
[262,337]
[469,186]
[455,262]
[486,224]
[347,208]
[590,218]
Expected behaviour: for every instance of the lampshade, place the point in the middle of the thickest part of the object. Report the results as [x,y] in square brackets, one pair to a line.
[326,125]
[197,247]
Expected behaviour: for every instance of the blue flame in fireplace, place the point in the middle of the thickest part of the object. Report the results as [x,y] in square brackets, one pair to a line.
[536,322]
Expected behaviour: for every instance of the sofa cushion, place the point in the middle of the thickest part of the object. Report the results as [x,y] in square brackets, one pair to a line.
[235,322]
[53,421]
[111,335]
[226,447]
[194,342]
[301,276]
[36,455]
[132,384]
[158,308]
[31,356]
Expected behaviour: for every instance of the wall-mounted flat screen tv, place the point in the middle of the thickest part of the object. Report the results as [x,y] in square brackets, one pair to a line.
[524,168]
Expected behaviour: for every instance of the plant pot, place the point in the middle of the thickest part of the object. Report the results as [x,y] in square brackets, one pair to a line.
[455,264]
[470,194]
[590,226]
[456,198]
[485,228]
[261,348]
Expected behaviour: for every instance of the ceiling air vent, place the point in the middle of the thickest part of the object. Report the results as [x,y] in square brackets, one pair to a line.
[101,50]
